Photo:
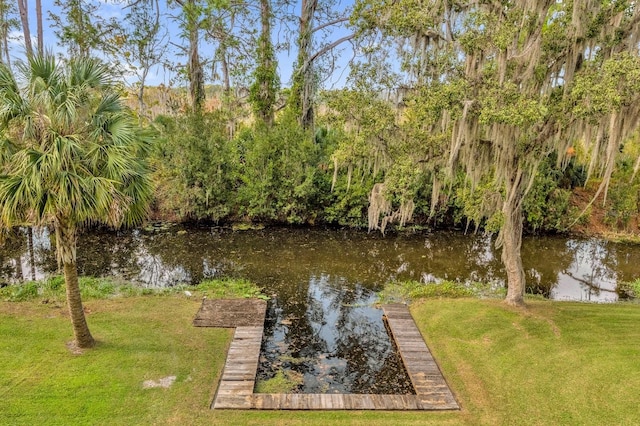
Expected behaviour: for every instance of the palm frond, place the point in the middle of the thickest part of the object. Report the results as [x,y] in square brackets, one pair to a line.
[69,150]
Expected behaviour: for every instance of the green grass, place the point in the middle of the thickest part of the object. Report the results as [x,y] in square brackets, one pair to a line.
[551,364]
[230,287]
[52,290]
[407,291]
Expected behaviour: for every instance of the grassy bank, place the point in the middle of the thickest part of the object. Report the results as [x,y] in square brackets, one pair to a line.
[555,363]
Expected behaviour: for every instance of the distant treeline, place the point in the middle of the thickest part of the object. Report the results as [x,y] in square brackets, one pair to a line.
[210,167]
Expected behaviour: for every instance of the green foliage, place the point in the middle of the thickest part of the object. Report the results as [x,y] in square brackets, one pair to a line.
[284,175]
[348,207]
[82,30]
[52,289]
[79,157]
[623,198]
[21,292]
[475,204]
[546,207]
[630,289]
[263,91]
[507,104]
[407,291]
[623,203]
[607,85]
[196,167]
[230,288]
[282,382]
[278,174]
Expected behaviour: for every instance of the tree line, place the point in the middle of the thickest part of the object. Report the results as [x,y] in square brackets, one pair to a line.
[479,114]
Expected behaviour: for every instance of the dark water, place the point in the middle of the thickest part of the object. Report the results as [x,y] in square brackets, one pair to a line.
[320,320]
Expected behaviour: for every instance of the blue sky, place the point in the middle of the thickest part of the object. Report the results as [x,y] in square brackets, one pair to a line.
[114,9]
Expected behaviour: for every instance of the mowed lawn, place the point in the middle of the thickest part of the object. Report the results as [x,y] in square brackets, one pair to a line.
[552,363]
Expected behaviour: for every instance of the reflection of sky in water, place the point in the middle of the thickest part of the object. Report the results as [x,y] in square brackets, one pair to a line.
[154,271]
[587,278]
[577,269]
[339,345]
[41,244]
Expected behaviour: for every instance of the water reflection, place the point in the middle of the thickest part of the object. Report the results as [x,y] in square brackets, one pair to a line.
[320,320]
[333,338]
[556,267]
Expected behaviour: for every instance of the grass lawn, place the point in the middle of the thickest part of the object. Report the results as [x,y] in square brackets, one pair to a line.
[553,363]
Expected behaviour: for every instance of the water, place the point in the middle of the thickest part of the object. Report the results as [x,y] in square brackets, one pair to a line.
[320,320]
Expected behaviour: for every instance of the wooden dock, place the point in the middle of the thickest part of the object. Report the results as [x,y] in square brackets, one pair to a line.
[235,390]
[426,377]
[239,376]
[231,313]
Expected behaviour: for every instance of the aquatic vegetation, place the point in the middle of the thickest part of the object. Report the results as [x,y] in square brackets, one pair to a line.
[282,382]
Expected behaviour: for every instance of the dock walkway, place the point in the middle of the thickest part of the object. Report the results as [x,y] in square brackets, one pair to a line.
[235,390]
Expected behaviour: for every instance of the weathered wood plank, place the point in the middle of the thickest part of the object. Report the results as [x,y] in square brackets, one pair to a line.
[235,390]
[233,402]
[432,391]
[230,313]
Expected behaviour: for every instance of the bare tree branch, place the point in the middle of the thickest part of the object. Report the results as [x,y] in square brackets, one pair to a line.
[324,50]
[328,24]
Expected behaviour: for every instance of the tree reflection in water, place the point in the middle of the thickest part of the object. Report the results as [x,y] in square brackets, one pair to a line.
[323,281]
[337,341]
[557,267]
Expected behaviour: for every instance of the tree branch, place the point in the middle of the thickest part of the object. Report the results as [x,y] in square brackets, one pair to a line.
[324,50]
[328,24]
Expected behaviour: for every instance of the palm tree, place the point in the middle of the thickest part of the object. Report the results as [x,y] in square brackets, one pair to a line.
[71,156]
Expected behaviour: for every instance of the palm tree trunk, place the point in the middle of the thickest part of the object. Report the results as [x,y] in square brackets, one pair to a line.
[83,336]
[32,257]
[66,248]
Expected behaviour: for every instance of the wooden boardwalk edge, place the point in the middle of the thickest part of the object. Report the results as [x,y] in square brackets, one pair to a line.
[425,375]
[235,389]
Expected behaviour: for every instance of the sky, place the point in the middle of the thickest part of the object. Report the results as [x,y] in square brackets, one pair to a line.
[161,75]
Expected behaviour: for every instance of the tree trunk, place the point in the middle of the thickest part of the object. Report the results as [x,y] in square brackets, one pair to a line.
[32,257]
[226,80]
[5,46]
[4,42]
[24,18]
[141,104]
[196,75]
[264,95]
[511,240]
[39,26]
[78,320]
[303,88]
[66,250]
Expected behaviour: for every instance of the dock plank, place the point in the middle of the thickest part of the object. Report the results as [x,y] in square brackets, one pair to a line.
[432,391]
[235,390]
[229,313]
